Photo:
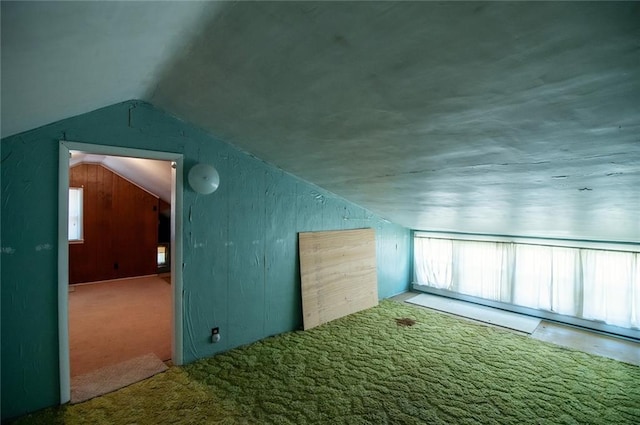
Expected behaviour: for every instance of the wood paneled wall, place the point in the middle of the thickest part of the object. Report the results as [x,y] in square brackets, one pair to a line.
[120,227]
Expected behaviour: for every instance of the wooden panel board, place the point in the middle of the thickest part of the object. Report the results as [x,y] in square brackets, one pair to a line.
[339,276]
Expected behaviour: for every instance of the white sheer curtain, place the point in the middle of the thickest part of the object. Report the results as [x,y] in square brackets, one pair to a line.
[486,272]
[611,287]
[586,283]
[548,278]
[434,267]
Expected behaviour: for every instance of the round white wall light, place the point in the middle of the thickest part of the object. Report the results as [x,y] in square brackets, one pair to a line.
[203,179]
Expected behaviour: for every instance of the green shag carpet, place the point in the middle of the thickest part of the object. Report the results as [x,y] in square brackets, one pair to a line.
[378,367]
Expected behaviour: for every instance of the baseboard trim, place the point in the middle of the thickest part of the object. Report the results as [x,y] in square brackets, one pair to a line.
[114,280]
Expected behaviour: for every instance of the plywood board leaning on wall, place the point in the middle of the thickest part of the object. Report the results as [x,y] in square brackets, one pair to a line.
[338,274]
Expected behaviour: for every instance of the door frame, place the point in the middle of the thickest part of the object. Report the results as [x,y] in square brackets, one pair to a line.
[63,248]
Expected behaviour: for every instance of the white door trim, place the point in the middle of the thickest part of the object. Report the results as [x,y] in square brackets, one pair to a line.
[63,248]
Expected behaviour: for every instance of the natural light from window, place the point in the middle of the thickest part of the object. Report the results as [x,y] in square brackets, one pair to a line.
[162,255]
[75,214]
[591,284]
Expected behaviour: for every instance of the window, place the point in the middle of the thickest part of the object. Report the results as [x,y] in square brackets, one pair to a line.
[162,255]
[75,214]
[592,284]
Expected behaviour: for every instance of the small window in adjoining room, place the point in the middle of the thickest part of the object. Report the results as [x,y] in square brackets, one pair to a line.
[162,255]
[75,214]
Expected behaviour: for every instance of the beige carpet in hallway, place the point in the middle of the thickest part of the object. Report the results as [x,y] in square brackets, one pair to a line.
[112,322]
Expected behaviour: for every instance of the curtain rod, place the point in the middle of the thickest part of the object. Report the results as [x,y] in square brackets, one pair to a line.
[566,243]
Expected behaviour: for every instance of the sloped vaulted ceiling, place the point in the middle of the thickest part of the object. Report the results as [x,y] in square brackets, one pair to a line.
[503,118]
[154,176]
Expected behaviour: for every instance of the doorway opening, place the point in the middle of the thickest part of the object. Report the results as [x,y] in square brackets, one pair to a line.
[119,287]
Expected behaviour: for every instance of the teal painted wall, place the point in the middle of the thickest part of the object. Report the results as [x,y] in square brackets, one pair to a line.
[240,243]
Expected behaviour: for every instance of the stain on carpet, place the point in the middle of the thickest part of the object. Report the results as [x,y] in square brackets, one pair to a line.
[405,321]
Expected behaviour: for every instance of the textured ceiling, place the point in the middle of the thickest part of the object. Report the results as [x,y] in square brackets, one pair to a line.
[502,118]
[61,59]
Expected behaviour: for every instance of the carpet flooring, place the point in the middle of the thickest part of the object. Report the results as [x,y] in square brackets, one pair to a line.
[113,377]
[391,364]
[115,321]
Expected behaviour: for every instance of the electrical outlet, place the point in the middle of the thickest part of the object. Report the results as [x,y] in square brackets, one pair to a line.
[215,335]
